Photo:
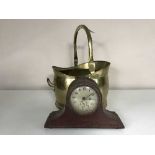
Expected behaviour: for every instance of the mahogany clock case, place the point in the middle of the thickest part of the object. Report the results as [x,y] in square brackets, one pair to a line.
[68,118]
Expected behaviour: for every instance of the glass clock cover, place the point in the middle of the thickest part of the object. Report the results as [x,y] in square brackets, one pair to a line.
[84,100]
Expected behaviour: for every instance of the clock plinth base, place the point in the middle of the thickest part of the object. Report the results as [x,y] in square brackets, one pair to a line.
[68,119]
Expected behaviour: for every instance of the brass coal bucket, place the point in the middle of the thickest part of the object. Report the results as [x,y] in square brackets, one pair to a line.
[95,70]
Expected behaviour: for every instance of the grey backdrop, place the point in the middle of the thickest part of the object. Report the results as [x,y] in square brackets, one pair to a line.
[28,49]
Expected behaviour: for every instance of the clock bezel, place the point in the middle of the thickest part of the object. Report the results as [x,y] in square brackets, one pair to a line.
[83,81]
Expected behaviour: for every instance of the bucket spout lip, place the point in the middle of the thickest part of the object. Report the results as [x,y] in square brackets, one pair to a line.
[67,68]
[70,71]
[56,68]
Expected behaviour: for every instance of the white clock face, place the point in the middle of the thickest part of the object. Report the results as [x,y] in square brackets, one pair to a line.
[84,100]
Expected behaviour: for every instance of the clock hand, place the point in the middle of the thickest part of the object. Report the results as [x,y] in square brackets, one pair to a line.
[89,95]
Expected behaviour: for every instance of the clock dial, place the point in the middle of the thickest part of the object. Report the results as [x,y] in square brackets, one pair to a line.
[84,100]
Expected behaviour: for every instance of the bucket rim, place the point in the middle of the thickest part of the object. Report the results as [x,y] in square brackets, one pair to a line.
[61,70]
[72,67]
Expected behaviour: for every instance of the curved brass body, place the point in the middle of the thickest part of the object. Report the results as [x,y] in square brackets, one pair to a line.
[96,70]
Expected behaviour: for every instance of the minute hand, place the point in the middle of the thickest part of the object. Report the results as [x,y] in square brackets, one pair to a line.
[89,95]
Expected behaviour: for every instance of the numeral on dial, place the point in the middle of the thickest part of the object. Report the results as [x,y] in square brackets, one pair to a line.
[84,88]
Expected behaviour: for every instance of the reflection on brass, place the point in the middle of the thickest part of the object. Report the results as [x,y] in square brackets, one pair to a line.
[96,70]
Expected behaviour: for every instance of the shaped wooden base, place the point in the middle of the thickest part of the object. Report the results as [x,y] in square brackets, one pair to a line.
[66,118]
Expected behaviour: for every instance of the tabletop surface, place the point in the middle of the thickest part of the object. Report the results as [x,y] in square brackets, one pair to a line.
[25,112]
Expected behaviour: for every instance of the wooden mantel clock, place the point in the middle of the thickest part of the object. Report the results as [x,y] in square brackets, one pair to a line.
[83,89]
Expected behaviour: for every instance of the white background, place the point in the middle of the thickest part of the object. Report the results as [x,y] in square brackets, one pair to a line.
[28,49]
[122,9]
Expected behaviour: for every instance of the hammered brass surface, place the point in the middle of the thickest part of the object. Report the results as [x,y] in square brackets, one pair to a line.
[96,70]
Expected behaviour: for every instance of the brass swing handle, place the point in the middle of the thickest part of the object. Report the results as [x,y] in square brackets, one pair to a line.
[90,45]
[90,51]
